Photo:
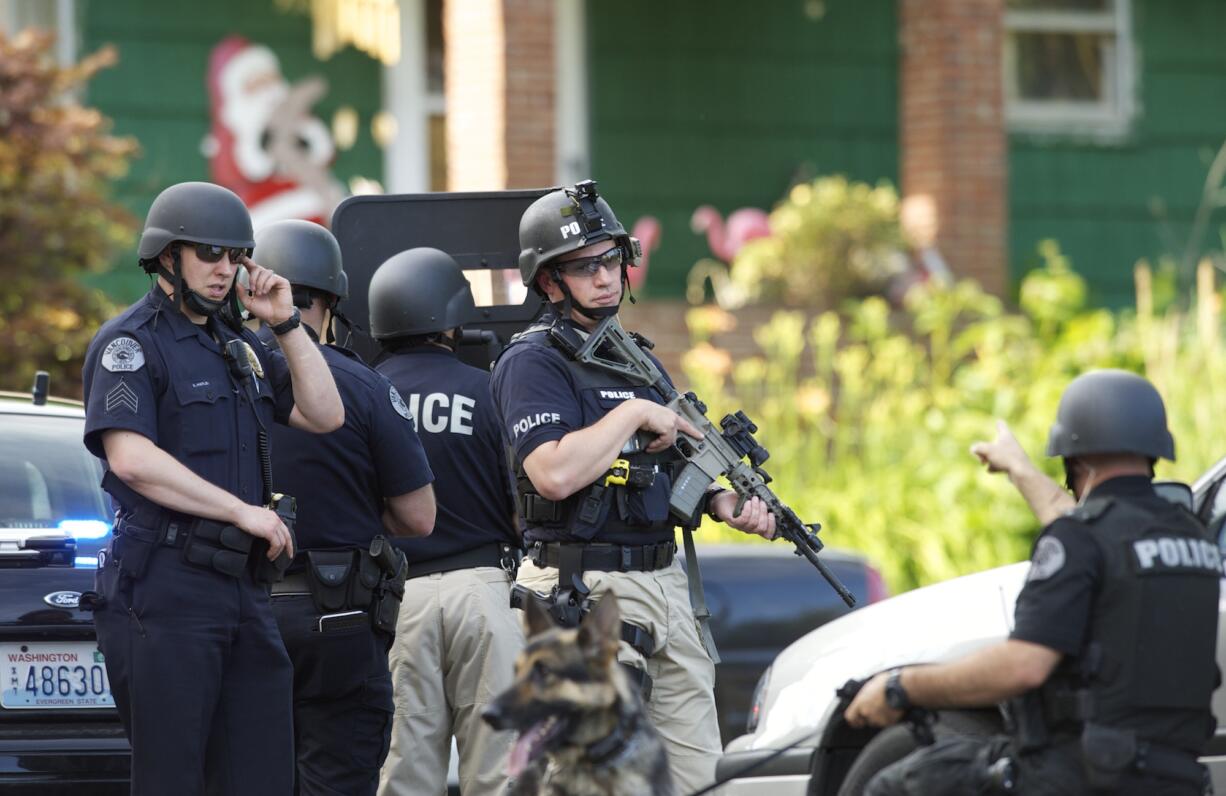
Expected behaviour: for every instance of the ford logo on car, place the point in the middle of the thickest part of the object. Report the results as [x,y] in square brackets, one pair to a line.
[63,599]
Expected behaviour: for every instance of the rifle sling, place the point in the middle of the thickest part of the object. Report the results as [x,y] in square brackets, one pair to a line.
[698,596]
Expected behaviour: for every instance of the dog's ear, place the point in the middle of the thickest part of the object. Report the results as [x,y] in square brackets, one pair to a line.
[539,620]
[601,630]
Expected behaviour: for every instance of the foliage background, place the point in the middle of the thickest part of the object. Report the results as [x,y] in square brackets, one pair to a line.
[869,414]
[57,222]
[829,237]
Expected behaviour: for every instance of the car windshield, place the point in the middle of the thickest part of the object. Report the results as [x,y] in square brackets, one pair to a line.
[47,476]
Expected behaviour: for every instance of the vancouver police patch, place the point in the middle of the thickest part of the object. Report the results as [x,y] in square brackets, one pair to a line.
[398,404]
[1048,558]
[123,354]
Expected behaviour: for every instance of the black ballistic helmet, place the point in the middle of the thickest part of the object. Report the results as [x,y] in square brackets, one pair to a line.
[197,212]
[418,291]
[564,221]
[1111,411]
[304,253]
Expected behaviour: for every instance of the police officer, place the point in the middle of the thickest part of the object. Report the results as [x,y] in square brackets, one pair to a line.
[178,405]
[366,479]
[458,637]
[567,425]
[1110,665]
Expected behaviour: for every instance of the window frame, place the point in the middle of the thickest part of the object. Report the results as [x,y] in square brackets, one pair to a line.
[1110,117]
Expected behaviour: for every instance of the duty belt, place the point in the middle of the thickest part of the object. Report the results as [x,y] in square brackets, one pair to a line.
[294,584]
[606,557]
[209,544]
[1167,762]
[502,555]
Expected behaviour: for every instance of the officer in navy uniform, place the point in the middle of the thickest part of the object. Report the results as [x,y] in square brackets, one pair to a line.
[366,479]
[178,405]
[567,425]
[1110,666]
[458,636]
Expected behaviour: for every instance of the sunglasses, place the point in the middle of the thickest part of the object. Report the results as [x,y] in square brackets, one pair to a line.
[212,254]
[588,266]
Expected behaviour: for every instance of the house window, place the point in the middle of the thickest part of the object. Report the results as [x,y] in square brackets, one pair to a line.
[1069,66]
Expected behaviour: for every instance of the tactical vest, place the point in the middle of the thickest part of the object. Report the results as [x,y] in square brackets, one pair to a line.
[636,512]
[1148,665]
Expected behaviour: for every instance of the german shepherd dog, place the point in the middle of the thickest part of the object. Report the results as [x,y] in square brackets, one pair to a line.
[581,724]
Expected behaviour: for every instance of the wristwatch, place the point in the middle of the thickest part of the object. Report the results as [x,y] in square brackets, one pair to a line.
[895,695]
[289,324]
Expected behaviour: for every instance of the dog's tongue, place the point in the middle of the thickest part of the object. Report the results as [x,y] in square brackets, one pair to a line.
[522,752]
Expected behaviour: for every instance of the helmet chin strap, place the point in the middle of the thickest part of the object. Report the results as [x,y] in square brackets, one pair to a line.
[185,295]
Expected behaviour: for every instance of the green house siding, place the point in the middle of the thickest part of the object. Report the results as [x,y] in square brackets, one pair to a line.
[1110,204]
[158,91]
[726,103]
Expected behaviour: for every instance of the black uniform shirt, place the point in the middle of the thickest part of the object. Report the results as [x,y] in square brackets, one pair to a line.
[540,401]
[1054,607]
[340,479]
[464,443]
[152,371]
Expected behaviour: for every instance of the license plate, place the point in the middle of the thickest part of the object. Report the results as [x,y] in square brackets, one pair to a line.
[51,675]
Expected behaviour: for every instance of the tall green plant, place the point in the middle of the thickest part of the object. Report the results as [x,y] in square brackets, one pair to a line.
[869,415]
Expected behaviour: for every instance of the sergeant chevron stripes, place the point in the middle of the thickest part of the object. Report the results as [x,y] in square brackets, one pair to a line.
[121,396]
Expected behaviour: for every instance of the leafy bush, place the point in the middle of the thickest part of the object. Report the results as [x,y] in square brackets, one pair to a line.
[869,415]
[830,239]
[57,160]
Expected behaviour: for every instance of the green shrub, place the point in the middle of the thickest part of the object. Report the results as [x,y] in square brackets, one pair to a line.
[830,239]
[869,415]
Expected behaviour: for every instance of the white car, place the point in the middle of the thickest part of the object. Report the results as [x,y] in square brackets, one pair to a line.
[797,742]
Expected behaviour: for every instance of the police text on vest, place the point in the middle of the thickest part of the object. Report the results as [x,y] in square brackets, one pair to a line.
[442,412]
[1166,553]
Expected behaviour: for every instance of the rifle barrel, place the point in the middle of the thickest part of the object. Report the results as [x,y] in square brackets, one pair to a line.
[803,548]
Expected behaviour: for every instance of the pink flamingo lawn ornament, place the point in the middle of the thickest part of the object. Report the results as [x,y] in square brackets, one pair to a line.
[647,229]
[725,239]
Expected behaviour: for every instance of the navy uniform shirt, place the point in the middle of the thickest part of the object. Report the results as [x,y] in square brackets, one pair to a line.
[539,401]
[152,371]
[1054,607]
[340,479]
[459,429]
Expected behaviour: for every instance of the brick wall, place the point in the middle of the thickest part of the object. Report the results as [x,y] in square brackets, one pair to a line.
[530,93]
[500,93]
[953,142]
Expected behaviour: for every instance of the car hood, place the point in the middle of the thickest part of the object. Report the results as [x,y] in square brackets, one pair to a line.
[935,623]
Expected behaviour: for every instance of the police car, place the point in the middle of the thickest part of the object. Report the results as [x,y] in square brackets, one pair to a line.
[797,743]
[58,725]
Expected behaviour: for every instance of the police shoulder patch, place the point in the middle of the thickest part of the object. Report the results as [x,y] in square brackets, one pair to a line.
[122,355]
[398,403]
[1048,559]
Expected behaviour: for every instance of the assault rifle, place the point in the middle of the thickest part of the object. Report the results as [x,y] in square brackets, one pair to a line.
[721,452]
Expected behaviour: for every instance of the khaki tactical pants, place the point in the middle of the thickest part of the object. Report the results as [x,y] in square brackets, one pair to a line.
[682,705]
[457,638]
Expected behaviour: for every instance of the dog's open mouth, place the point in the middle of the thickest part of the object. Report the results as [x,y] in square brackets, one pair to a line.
[535,741]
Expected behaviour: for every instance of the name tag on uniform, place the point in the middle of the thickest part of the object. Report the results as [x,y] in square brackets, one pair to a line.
[1174,554]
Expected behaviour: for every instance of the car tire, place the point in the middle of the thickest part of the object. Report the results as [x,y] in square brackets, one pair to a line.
[894,743]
